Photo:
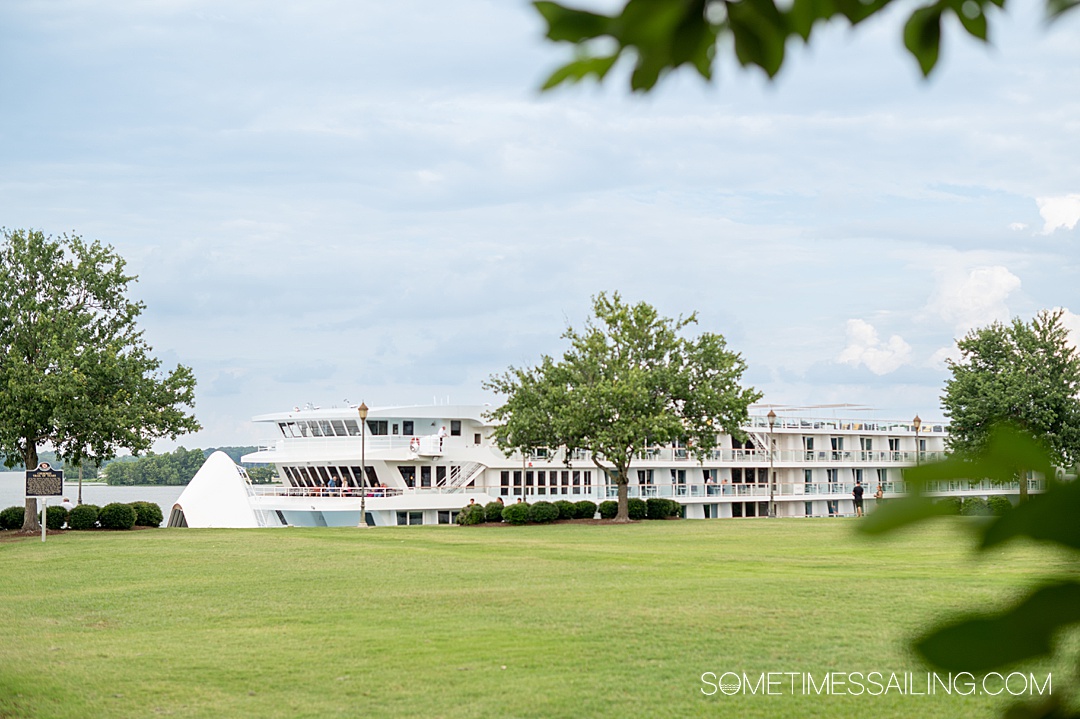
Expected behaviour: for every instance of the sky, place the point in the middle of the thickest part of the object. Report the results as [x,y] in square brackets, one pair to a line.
[341,200]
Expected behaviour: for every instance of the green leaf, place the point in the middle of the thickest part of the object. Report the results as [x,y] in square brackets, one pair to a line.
[975,24]
[580,69]
[760,31]
[1057,8]
[922,36]
[984,643]
[902,512]
[1051,516]
[570,25]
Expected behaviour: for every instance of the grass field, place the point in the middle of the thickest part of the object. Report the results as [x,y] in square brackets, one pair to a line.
[551,621]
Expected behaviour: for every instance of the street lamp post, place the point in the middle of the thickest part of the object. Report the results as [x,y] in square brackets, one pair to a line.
[363,410]
[772,475]
[917,423]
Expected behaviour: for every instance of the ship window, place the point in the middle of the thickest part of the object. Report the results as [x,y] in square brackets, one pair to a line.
[448,517]
[407,518]
[357,477]
[587,477]
[425,476]
[455,428]
[504,483]
[327,430]
[541,482]
[517,482]
[476,438]
[313,427]
[409,475]
[302,428]
[339,428]
[284,430]
[372,476]
[736,509]
[322,473]
[289,474]
[378,427]
[440,476]
[352,427]
[528,480]
[395,428]
[407,427]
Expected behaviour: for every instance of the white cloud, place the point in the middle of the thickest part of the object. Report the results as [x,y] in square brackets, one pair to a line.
[976,298]
[1018,226]
[865,348]
[1058,212]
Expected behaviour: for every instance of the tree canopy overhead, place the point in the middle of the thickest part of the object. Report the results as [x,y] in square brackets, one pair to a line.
[1023,373]
[663,35]
[629,380]
[75,370]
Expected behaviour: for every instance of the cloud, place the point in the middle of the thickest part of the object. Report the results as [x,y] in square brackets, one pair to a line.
[976,298]
[864,348]
[1058,212]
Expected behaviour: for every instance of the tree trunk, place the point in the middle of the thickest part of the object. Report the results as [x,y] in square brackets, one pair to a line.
[30,517]
[1023,488]
[623,515]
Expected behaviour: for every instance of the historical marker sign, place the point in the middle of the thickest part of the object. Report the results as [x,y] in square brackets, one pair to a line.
[44,481]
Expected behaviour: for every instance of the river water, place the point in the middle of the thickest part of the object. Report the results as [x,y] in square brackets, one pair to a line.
[13,486]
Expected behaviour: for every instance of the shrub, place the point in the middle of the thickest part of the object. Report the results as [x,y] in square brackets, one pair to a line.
[953,504]
[636,508]
[657,508]
[147,514]
[584,509]
[471,514]
[83,517]
[567,510]
[516,513]
[12,518]
[608,509]
[55,517]
[974,507]
[493,511]
[675,509]
[998,505]
[542,512]
[116,516]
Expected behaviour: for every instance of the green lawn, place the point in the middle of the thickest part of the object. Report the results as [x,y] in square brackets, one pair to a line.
[556,621]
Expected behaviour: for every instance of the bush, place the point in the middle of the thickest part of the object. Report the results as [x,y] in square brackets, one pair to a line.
[675,509]
[12,518]
[974,507]
[636,508]
[116,516]
[542,512]
[608,509]
[953,504]
[567,510]
[147,514]
[657,508]
[584,509]
[471,514]
[493,511]
[998,505]
[55,517]
[83,517]
[516,513]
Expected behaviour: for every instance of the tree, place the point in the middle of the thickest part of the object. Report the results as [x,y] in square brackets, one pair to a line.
[1022,373]
[665,34]
[628,381]
[75,370]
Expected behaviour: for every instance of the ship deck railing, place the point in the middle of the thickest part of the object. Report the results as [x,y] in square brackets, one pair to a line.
[691,492]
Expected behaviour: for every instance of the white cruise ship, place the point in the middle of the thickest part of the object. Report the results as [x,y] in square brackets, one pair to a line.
[420,465]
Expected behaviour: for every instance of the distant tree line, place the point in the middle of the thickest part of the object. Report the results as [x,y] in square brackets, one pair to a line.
[177,467]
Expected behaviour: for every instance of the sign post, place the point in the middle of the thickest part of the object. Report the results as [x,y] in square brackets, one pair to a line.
[44,482]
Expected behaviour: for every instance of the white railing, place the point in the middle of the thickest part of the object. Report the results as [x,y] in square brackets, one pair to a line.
[796,456]
[810,424]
